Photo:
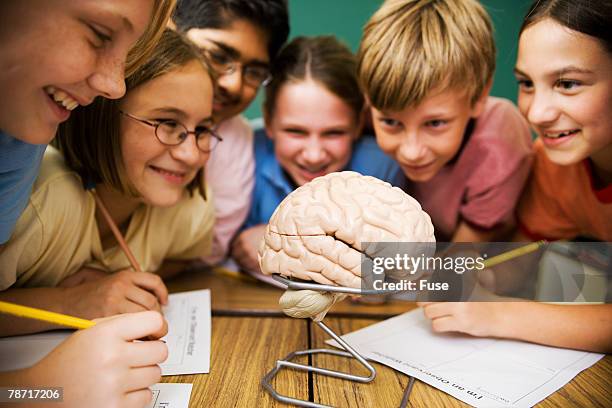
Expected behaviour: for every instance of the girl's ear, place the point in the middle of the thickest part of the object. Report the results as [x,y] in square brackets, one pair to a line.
[482,100]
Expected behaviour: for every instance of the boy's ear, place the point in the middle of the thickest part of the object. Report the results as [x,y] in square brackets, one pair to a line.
[482,99]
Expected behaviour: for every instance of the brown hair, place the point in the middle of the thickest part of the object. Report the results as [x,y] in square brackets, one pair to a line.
[588,17]
[411,47]
[91,139]
[141,51]
[323,59]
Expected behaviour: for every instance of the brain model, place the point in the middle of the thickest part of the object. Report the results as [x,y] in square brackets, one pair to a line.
[319,231]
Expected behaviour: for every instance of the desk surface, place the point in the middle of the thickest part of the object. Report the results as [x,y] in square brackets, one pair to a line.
[249,334]
[244,349]
[246,296]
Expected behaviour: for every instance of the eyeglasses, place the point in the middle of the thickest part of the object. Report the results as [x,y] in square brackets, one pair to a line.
[225,64]
[173,133]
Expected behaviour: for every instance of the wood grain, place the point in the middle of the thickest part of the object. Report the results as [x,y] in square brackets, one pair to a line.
[590,388]
[249,334]
[244,349]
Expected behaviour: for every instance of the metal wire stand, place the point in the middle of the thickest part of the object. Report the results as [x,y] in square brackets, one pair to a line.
[348,352]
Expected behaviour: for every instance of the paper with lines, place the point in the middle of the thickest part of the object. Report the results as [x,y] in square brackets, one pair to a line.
[479,371]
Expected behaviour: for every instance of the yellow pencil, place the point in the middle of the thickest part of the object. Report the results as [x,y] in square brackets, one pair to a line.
[44,315]
[506,256]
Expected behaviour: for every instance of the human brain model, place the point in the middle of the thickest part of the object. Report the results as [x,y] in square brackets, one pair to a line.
[318,231]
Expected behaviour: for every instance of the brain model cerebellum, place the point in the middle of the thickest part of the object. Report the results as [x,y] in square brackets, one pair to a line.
[318,231]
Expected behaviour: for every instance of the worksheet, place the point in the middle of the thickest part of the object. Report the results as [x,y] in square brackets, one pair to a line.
[170,395]
[188,339]
[481,372]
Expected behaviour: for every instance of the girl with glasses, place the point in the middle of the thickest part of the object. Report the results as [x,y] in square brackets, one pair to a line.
[143,155]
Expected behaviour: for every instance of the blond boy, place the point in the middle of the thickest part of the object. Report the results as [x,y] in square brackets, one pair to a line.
[426,68]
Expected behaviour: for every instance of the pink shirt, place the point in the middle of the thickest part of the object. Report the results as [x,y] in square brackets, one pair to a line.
[484,182]
[230,174]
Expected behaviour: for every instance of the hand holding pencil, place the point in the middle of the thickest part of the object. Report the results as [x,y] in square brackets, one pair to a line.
[126,291]
[108,366]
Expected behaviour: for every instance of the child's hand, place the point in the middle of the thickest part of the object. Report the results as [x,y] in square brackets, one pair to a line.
[480,319]
[244,247]
[126,291]
[103,366]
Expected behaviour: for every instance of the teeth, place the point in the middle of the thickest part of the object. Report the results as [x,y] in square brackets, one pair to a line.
[562,134]
[61,98]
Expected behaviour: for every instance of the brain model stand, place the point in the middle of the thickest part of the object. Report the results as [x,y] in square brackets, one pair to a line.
[316,242]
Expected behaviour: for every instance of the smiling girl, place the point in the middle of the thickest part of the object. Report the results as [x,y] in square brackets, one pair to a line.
[313,114]
[564,70]
[54,56]
[144,154]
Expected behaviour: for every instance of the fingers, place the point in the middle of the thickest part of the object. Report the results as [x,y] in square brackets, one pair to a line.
[158,334]
[444,324]
[446,316]
[143,298]
[133,326]
[152,283]
[139,398]
[438,313]
[434,310]
[245,255]
[142,377]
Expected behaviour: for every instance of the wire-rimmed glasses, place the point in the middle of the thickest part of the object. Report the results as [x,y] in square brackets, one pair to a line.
[173,133]
[224,64]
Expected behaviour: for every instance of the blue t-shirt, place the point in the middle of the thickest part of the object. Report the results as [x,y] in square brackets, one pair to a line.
[272,183]
[19,164]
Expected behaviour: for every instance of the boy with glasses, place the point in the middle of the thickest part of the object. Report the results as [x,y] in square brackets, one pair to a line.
[240,39]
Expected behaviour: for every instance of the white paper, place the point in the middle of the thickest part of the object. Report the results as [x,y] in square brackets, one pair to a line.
[170,395]
[481,372]
[188,339]
[24,351]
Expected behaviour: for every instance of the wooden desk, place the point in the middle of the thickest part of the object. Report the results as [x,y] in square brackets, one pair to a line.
[249,335]
[246,296]
[244,349]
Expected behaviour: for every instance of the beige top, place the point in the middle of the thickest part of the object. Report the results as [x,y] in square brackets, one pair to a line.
[57,233]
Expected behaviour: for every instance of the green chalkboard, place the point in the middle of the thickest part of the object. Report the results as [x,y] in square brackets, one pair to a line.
[345,19]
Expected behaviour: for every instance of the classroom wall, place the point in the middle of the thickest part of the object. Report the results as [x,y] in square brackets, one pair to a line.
[345,18]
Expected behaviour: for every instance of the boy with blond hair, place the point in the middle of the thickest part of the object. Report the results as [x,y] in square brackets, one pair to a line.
[426,68]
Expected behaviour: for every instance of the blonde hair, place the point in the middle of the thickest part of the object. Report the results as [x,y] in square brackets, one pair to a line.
[141,51]
[411,47]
